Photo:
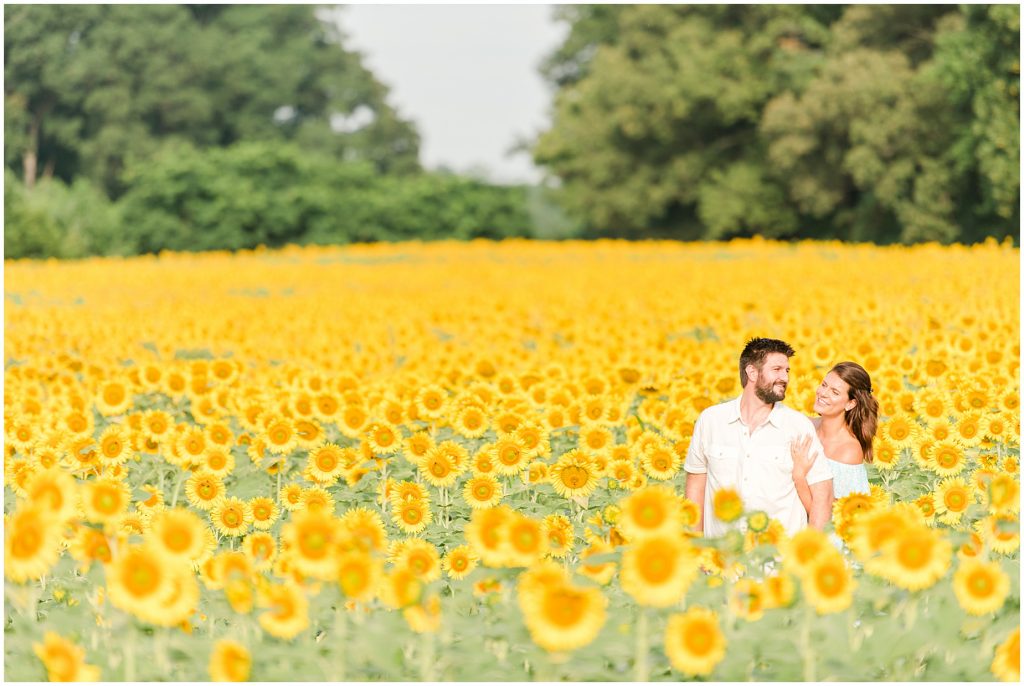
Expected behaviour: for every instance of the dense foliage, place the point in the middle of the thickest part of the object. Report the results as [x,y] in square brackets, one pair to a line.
[861,122]
[142,128]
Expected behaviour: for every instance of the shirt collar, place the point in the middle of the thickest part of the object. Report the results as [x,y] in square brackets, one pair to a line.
[774,417]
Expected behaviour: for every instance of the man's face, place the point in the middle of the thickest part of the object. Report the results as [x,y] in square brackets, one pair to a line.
[771,379]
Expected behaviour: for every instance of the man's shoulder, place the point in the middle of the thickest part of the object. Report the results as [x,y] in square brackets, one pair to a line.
[720,410]
[793,418]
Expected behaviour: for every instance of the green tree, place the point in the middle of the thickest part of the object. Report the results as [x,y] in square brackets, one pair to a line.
[863,122]
[92,89]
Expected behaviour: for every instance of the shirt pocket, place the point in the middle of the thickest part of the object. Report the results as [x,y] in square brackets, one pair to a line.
[780,459]
[723,464]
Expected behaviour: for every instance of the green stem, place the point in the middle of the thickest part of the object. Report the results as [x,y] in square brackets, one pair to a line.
[427,656]
[805,645]
[129,655]
[641,669]
[341,629]
[177,489]
[280,468]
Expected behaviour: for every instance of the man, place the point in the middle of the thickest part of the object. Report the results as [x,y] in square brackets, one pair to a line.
[743,444]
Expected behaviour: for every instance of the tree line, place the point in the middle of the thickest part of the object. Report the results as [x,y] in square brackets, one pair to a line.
[861,122]
[189,127]
[140,128]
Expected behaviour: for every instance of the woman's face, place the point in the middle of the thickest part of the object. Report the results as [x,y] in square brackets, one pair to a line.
[833,396]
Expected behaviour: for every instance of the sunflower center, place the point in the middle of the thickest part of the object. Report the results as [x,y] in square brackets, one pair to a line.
[698,639]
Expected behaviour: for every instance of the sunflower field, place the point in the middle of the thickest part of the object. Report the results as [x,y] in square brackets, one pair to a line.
[456,461]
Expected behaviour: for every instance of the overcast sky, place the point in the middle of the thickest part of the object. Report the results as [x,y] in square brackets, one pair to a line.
[465,74]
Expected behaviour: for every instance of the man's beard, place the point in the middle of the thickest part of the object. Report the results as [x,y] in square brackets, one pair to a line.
[767,393]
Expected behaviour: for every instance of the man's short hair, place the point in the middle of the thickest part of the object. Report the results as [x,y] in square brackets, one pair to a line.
[757,349]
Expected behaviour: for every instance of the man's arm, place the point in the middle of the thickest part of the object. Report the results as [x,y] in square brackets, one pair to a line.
[821,504]
[695,484]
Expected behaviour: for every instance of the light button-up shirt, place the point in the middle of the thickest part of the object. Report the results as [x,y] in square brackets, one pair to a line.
[755,462]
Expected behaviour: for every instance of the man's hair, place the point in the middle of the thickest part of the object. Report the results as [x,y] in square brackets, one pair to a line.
[757,349]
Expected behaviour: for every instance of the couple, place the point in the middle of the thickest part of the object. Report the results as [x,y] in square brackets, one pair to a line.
[769,453]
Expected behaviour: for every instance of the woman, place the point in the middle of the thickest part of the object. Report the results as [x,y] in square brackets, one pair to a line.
[849,419]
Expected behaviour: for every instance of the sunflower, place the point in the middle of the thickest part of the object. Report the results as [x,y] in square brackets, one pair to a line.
[573,476]
[280,435]
[780,591]
[595,438]
[747,599]
[418,557]
[231,516]
[411,516]
[264,512]
[291,497]
[1001,494]
[217,461]
[940,430]
[534,439]
[89,545]
[288,613]
[438,469]
[54,492]
[559,533]
[431,401]
[727,505]
[63,660]
[416,446]
[510,455]
[876,527]
[317,499]
[113,397]
[969,429]
[561,616]
[261,549]
[537,472]
[177,534]
[383,439]
[657,570]
[486,533]
[1006,661]
[115,445]
[204,490]
[311,537]
[153,503]
[105,500]
[30,543]
[980,587]
[995,428]
[230,661]
[459,562]
[886,455]
[354,421]
[191,445]
[525,542]
[651,511]
[947,459]
[661,463]
[694,642]
[482,492]
[901,430]
[952,498]
[621,471]
[138,582]
[913,559]
[802,549]
[828,584]
[359,575]
[363,529]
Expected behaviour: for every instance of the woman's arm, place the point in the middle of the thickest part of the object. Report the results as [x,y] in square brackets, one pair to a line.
[802,462]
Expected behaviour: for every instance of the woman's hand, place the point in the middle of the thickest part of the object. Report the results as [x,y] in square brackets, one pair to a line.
[802,460]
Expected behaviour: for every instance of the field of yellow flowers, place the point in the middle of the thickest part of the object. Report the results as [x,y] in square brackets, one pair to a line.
[463,461]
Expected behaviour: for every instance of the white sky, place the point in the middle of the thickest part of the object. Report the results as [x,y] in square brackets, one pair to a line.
[466,75]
